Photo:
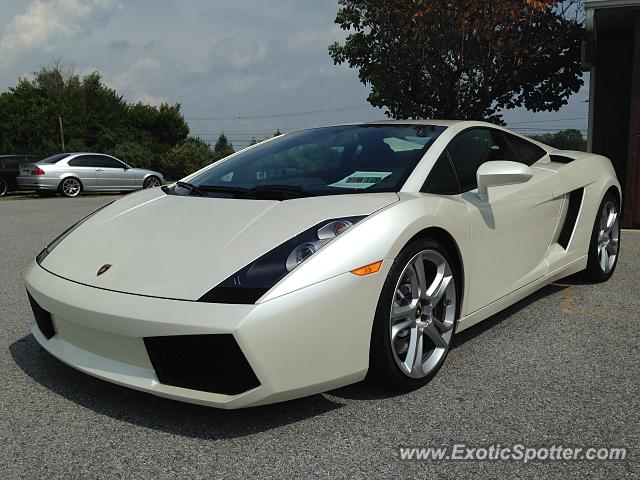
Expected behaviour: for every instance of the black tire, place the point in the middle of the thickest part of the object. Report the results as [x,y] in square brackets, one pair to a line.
[151,182]
[4,188]
[66,191]
[384,369]
[595,272]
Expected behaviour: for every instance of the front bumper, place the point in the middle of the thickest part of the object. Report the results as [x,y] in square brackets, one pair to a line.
[306,342]
[37,182]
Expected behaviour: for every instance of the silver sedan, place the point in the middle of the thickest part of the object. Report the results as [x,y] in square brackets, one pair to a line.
[71,173]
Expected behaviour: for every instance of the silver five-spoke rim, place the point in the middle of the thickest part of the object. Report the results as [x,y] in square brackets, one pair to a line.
[71,187]
[153,182]
[608,236]
[423,313]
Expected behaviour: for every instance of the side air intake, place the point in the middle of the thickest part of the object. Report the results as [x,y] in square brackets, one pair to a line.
[43,318]
[561,159]
[575,201]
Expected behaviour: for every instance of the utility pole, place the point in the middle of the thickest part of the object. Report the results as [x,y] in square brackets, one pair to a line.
[61,134]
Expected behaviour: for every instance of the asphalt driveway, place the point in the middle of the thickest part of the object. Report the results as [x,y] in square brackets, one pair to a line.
[560,368]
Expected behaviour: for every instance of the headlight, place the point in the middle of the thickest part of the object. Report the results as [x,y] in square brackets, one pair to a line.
[43,254]
[250,283]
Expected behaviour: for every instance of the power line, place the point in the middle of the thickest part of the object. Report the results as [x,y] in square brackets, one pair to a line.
[547,121]
[234,133]
[547,129]
[279,115]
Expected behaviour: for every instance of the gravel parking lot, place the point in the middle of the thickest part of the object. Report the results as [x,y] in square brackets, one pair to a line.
[560,368]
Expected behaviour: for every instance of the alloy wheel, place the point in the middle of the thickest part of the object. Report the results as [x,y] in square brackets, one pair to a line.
[71,187]
[423,313]
[608,236]
[152,182]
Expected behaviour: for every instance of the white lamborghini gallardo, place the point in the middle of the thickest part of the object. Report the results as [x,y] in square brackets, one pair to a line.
[321,257]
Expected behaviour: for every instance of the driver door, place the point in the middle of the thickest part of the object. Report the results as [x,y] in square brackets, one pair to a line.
[112,174]
[512,231]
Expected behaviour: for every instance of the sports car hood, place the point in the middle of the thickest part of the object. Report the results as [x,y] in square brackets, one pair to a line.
[180,247]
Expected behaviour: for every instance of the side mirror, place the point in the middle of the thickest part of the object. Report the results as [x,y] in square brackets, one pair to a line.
[501,172]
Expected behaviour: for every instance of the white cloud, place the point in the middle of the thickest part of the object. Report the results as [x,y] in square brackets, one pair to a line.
[135,81]
[236,54]
[150,99]
[46,24]
[147,63]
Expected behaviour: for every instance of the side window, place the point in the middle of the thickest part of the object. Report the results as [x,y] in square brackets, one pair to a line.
[468,151]
[83,161]
[108,162]
[529,152]
[501,148]
[442,179]
[10,163]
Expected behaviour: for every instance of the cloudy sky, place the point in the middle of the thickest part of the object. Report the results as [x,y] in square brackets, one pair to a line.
[262,59]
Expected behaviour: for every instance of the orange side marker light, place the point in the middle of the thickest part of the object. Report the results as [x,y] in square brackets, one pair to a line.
[368,269]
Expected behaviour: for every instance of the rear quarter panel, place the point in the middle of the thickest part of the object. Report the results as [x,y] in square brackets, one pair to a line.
[596,175]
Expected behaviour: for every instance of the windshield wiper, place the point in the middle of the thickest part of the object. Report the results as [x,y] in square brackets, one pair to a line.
[276,192]
[223,189]
[192,188]
[264,192]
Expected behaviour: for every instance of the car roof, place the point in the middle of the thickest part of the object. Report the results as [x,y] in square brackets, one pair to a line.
[460,124]
[444,123]
[87,153]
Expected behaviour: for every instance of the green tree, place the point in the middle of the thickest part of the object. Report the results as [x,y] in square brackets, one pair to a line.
[223,146]
[137,155]
[187,157]
[96,118]
[571,139]
[462,59]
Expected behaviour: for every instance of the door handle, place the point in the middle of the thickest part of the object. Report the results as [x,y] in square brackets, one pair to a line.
[98,170]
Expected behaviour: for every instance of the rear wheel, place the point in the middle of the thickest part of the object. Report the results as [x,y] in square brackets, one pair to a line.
[415,318]
[605,241]
[70,187]
[152,182]
[4,188]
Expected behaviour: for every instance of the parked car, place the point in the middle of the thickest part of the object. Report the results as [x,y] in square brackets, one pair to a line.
[10,169]
[71,173]
[320,258]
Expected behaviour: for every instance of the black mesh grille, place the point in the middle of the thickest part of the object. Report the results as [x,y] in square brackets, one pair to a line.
[210,363]
[43,318]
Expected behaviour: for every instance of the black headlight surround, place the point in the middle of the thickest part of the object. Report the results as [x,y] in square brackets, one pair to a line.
[49,248]
[250,283]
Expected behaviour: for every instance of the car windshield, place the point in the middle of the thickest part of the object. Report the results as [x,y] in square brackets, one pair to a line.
[322,161]
[54,158]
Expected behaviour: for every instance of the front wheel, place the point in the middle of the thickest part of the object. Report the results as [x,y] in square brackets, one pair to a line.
[4,188]
[152,182]
[415,318]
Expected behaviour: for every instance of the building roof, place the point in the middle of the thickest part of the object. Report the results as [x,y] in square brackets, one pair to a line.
[597,4]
